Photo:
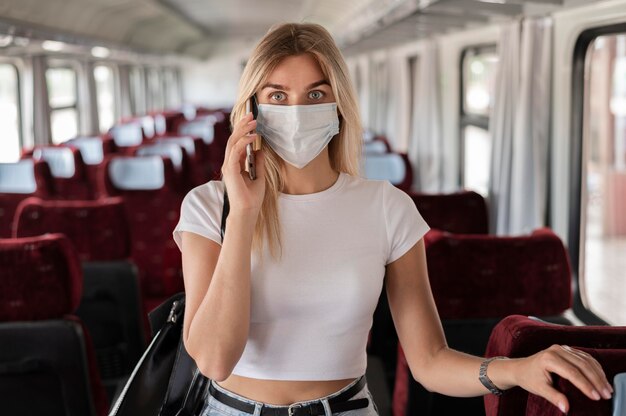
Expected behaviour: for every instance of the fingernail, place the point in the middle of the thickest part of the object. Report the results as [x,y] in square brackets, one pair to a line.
[595,394]
[606,393]
[562,407]
[609,387]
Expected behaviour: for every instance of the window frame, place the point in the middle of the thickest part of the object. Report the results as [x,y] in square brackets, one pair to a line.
[74,66]
[469,119]
[20,119]
[578,158]
[153,96]
[116,98]
[134,99]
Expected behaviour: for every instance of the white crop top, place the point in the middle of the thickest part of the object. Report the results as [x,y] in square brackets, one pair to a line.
[312,311]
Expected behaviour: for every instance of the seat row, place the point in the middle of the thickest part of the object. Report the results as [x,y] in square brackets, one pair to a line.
[48,363]
[477,280]
[481,283]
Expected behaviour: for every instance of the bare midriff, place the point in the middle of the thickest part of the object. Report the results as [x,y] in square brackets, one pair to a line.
[281,392]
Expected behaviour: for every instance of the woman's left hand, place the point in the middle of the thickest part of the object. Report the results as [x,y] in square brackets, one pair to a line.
[580,368]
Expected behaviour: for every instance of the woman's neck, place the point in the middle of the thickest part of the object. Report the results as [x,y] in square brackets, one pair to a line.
[315,177]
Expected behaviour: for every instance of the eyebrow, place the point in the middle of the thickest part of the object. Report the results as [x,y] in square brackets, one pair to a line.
[282,87]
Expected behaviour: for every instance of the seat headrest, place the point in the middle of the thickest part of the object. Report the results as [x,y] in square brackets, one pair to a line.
[125,135]
[484,276]
[60,159]
[170,150]
[137,173]
[147,122]
[18,177]
[459,212]
[200,127]
[189,111]
[90,148]
[160,125]
[368,135]
[520,336]
[97,228]
[41,278]
[387,166]
[376,147]
[186,142]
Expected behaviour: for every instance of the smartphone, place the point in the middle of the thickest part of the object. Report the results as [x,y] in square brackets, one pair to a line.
[250,167]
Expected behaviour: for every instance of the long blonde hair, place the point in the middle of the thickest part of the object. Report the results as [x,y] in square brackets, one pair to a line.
[344,149]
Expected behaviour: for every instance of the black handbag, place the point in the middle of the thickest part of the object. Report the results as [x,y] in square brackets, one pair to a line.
[166,380]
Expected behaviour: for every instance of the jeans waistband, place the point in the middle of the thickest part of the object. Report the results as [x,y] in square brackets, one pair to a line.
[248,405]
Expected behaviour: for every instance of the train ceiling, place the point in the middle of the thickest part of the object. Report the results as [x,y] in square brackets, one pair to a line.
[197,27]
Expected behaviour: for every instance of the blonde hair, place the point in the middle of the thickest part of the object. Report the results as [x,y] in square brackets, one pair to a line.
[344,149]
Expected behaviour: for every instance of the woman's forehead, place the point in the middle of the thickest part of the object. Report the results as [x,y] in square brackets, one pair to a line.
[297,71]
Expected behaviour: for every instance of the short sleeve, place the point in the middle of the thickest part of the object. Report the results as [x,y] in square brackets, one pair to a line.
[405,225]
[201,213]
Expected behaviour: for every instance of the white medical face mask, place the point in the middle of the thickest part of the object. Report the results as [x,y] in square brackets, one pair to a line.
[298,133]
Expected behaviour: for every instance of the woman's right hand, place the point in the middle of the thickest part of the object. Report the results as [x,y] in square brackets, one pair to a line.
[245,195]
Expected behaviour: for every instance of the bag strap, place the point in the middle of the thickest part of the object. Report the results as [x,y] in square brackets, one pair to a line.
[158,316]
[225,211]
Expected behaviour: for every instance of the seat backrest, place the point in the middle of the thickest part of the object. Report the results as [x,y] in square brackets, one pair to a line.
[40,278]
[521,336]
[148,185]
[128,134]
[40,288]
[93,150]
[482,276]
[19,181]
[98,229]
[460,212]
[68,170]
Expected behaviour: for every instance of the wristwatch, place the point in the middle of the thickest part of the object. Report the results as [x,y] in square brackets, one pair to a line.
[482,376]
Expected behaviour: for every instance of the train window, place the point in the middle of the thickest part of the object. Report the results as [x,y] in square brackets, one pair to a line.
[603,200]
[9,114]
[478,73]
[63,99]
[170,79]
[105,91]
[137,90]
[154,89]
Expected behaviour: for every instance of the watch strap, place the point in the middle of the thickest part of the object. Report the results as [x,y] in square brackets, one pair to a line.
[485,380]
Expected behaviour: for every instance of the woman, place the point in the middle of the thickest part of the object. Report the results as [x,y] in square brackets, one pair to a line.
[279,312]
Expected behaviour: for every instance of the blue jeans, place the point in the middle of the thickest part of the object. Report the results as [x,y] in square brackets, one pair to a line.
[212,407]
